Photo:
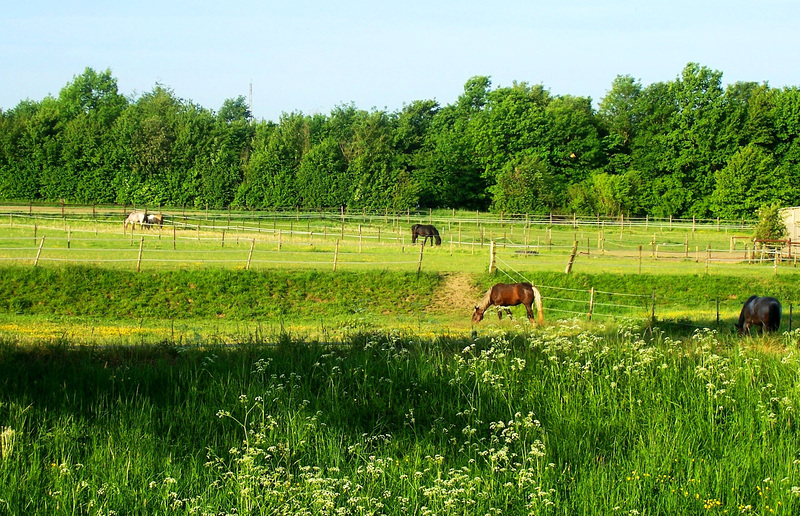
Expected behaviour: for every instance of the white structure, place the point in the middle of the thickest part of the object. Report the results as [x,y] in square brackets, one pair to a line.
[791,217]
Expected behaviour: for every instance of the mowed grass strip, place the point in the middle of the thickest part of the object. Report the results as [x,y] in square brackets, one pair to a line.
[86,302]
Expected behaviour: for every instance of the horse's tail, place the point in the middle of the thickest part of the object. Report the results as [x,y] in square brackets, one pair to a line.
[537,297]
[775,312]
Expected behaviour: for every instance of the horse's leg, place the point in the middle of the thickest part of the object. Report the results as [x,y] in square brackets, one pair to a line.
[508,311]
[530,312]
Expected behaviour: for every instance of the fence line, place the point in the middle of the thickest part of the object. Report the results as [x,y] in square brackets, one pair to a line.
[591,302]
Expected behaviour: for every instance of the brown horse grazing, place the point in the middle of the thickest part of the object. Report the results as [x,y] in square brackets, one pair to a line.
[510,294]
[153,219]
[426,231]
[762,312]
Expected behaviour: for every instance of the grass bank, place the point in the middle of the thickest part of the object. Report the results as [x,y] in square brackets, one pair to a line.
[113,306]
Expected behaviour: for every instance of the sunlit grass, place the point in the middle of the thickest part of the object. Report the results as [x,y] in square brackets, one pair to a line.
[310,240]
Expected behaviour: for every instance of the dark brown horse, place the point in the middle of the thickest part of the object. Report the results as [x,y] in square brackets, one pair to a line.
[153,219]
[426,231]
[510,294]
[762,312]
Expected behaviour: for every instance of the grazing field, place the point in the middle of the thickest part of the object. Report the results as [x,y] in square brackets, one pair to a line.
[325,365]
[320,240]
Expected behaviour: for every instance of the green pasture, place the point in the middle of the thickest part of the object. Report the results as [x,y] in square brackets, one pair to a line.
[197,385]
[91,304]
[324,241]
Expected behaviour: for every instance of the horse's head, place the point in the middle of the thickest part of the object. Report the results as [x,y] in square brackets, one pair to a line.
[739,328]
[477,315]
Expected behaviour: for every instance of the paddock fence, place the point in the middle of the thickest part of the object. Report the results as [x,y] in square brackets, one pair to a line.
[330,240]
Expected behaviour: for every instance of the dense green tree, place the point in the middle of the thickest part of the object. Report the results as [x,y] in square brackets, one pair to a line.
[692,137]
[79,166]
[605,194]
[322,176]
[683,147]
[525,186]
[22,146]
[619,117]
[748,182]
[449,173]
[649,165]
[235,110]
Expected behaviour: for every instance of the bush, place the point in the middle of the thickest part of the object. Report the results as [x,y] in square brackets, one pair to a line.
[770,224]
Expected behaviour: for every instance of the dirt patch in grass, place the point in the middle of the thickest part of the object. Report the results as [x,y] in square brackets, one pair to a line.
[457,294]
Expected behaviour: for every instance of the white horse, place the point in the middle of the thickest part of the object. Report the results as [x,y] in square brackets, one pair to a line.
[135,217]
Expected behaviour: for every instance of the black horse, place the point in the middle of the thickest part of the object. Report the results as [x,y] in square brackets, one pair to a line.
[426,231]
[763,312]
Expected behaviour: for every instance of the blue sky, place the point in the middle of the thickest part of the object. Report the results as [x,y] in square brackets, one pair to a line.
[310,56]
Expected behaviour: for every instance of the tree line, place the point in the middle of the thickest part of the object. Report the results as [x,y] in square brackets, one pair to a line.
[686,147]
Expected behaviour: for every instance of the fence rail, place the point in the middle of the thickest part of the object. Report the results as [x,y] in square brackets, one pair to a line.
[288,239]
[118,212]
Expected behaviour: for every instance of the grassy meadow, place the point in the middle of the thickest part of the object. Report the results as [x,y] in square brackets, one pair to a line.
[558,420]
[199,385]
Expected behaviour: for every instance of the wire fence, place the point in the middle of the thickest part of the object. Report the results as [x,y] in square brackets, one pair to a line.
[354,241]
[586,303]
[444,217]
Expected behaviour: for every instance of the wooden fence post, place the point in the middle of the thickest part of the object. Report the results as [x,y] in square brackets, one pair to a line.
[250,254]
[139,261]
[775,267]
[572,257]
[421,251]
[491,257]
[335,255]
[640,259]
[39,252]
[653,308]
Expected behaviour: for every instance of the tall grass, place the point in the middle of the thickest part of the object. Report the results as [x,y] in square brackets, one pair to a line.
[556,421]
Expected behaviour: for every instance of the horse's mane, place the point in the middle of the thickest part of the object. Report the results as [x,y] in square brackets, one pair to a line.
[744,309]
[486,301]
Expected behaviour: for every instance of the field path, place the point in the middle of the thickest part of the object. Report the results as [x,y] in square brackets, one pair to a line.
[457,294]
